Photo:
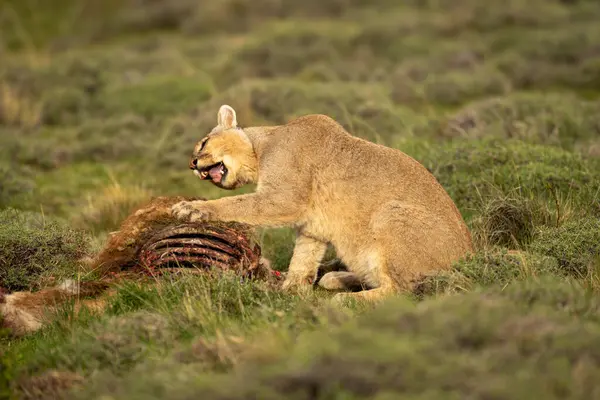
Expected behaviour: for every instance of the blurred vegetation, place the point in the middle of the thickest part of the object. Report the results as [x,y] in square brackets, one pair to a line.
[101,103]
[517,343]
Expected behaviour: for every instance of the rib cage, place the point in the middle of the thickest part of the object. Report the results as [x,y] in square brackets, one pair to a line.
[200,246]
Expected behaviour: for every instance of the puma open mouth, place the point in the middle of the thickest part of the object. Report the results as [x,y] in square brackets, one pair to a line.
[215,172]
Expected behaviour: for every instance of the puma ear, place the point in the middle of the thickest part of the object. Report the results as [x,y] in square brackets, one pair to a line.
[226,117]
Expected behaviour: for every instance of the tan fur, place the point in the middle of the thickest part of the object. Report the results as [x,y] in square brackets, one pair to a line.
[120,251]
[26,312]
[233,148]
[387,217]
[341,280]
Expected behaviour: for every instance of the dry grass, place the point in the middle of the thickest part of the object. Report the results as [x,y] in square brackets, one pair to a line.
[105,211]
[18,110]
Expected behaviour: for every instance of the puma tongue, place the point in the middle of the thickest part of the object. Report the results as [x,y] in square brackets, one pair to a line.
[216,173]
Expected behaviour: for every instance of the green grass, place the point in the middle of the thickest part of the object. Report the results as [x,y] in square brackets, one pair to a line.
[474,170]
[575,244]
[445,348]
[101,103]
[562,120]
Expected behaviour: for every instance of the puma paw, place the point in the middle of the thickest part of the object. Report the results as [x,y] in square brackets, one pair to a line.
[192,211]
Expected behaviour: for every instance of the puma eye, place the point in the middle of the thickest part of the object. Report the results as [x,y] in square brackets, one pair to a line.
[202,145]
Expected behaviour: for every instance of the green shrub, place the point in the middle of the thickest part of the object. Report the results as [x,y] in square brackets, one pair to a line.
[512,13]
[242,15]
[64,106]
[287,49]
[116,343]
[472,171]
[419,83]
[575,244]
[56,93]
[122,137]
[33,248]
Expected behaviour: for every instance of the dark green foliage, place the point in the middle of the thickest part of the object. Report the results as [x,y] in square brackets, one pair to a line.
[116,343]
[277,246]
[54,94]
[33,248]
[456,87]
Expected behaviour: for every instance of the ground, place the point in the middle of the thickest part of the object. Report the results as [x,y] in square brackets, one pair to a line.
[101,103]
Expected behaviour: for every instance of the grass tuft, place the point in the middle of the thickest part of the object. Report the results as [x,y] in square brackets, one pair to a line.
[506,222]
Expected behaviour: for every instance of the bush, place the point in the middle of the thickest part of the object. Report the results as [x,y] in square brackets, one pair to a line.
[33,249]
[287,49]
[455,88]
[473,171]
[575,244]
[560,294]
[116,343]
[242,15]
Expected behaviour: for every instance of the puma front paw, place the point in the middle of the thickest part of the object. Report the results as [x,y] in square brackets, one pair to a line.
[298,284]
[192,211]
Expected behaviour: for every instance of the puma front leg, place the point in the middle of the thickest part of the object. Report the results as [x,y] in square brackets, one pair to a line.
[258,209]
[307,256]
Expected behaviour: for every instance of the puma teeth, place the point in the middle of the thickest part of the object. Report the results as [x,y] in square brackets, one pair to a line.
[203,174]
